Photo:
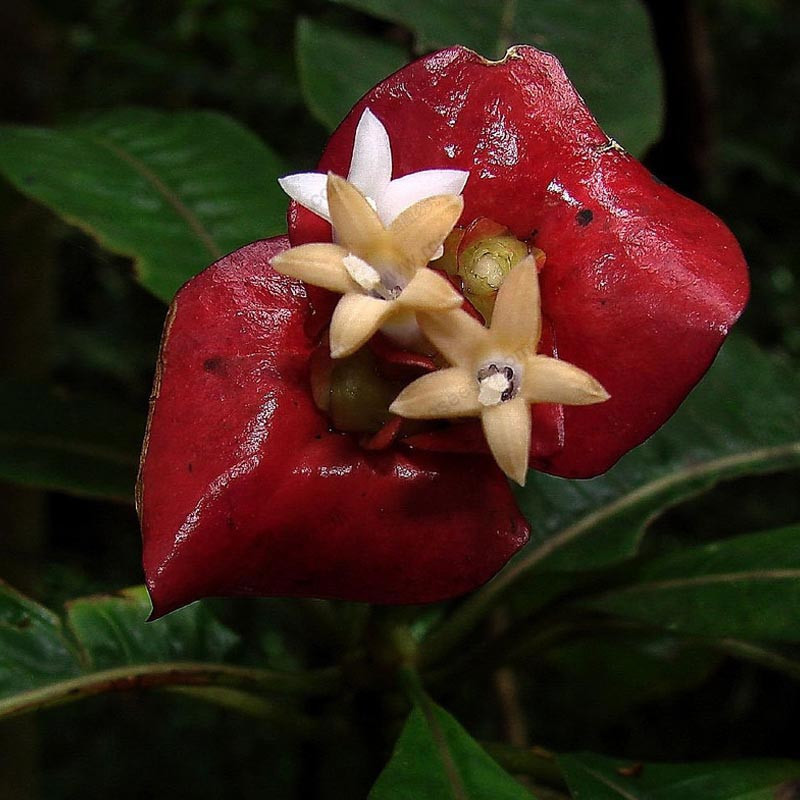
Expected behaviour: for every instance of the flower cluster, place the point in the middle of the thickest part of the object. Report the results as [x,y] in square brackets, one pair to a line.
[492,287]
[380,264]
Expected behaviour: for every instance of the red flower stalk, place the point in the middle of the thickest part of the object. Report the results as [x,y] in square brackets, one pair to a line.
[258,477]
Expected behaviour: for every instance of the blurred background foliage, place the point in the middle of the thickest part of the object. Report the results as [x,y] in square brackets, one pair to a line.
[715,114]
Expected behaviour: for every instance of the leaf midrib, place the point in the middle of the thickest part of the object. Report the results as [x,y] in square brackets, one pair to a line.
[445,754]
[777,457]
[709,579]
[714,469]
[171,197]
[151,675]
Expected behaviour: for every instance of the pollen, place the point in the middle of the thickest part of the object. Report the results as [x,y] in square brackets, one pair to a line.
[492,388]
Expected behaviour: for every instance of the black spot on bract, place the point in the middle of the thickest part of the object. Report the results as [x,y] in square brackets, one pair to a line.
[584,217]
[215,364]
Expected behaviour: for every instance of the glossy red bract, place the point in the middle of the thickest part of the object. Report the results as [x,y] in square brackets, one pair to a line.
[245,490]
[640,286]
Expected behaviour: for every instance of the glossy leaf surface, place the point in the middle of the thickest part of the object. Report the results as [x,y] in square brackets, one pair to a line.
[592,777]
[171,191]
[577,31]
[435,758]
[747,587]
[360,62]
[741,420]
[99,646]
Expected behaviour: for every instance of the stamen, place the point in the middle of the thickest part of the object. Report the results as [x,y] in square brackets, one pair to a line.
[365,275]
[497,384]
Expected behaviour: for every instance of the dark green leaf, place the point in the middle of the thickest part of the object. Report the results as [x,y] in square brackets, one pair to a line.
[606,46]
[77,444]
[436,759]
[337,67]
[592,777]
[742,419]
[33,648]
[172,191]
[604,673]
[474,23]
[114,631]
[745,587]
[42,661]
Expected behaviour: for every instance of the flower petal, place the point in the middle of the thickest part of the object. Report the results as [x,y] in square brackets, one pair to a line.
[549,380]
[310,190]
[356,318]
[507,428]
[317,264]
[403,192]
[517,317]
[355,222]
[430,291]
[371,163]
[439,395]
[457,336]
[420,230]
[244,490]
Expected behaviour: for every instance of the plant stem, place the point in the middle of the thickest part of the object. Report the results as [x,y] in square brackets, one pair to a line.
[175,674]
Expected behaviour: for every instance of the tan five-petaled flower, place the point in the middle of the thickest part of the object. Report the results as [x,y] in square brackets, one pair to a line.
[496,372]
[380,269]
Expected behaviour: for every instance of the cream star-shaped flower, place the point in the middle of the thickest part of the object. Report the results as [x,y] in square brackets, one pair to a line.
[496,373]
[371,173]
[381,270]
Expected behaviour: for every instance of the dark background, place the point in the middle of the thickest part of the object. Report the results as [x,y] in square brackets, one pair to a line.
[73,317]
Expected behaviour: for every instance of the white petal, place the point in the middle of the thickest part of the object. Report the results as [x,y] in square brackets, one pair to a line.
[439,395]
[355,222]
[517,318]
[507,428]
[422,228]
[355,319]
[430,291]
[310,189]
[404,192]
[371,164]
[457,336]
[318,264]
[548,380]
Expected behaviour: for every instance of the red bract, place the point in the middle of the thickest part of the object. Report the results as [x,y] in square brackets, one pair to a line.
[244,487]
[640,286]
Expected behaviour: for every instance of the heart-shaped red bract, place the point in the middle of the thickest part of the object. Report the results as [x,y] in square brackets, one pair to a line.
[244,489]
[640,286]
